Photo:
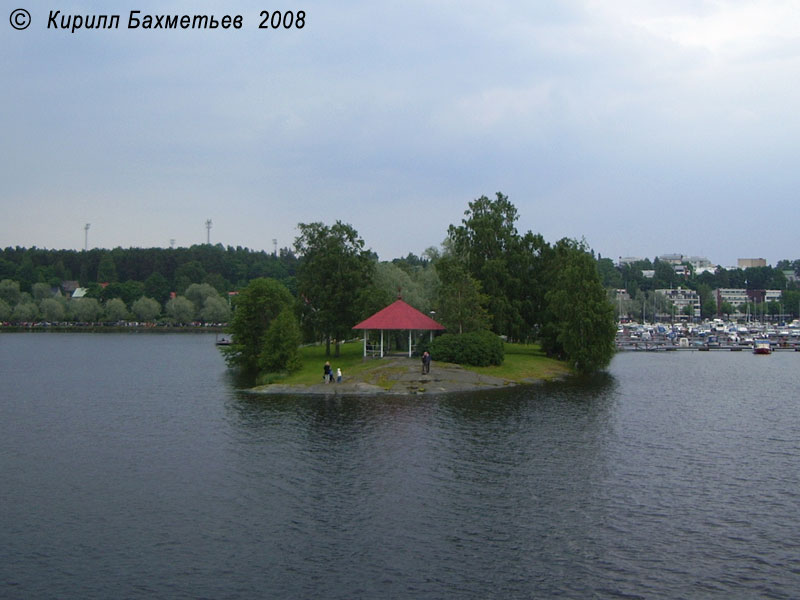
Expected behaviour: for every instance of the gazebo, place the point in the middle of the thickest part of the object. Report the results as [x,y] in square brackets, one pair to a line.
[398,316]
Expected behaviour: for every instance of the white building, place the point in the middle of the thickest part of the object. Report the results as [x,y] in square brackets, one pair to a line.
[738,297]
[733,296]
[681,298]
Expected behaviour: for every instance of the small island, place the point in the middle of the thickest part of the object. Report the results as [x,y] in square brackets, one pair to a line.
[491,290]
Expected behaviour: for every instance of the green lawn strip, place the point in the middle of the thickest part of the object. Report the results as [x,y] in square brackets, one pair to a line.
[524,362]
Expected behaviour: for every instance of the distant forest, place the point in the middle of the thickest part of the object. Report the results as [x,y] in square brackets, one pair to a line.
[228,269]
[165,269]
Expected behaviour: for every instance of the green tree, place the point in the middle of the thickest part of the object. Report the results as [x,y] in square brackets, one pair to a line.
[187,274]
[40,291]
[508,266]
[708,307]
[85,310]
[462,306]
[116,310]
[52,310]
[5,310]
[180,310]
[146,309]
[773,308]
[25,312]
[255,308]
[198,293]
[370,300]
[609,274]
[580,327]
[334,270]
[487,241]
[106,270]
[9,291]
[727,309]
[281,344]
[791,302]
[157,287]
[215,310]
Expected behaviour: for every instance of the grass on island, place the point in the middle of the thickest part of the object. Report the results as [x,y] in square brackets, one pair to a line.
[523,362]
[350,361]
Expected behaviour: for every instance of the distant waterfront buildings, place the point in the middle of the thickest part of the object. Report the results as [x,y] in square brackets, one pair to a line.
[699,264]
[747,263]
[739,298]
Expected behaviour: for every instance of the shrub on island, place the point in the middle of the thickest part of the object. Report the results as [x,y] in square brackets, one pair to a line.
[476,348]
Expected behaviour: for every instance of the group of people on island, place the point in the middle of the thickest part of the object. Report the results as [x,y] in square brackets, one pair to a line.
[327,373]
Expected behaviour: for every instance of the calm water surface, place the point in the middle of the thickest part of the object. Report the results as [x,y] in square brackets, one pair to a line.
[133,468]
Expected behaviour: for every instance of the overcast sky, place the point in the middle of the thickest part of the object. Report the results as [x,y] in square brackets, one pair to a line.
[644,127]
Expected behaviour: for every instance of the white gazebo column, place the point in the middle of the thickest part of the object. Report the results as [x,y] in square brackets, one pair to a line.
[365,343]
[381,343]
[409,343]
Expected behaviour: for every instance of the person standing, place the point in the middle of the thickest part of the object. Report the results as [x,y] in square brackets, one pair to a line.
[426,362]
[327,376]
[339,375]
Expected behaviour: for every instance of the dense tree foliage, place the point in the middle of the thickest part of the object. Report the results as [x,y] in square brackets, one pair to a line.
[280,347]
[164,270]
[461,305]
[507,265]
[334,271]
[255,307]
[580,325]
[180,310]
[146,309]
[533,289]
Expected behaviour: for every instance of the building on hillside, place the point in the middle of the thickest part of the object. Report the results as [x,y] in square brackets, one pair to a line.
[699,262]
[746,263]
[671,259]
[736,297]
[682,298]
[628,260]
[739,297]
[69,287]
[681,270]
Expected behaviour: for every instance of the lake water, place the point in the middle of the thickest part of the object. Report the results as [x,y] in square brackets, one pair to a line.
[133,468]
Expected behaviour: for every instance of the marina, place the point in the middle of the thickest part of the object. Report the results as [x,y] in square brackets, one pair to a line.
[710,335]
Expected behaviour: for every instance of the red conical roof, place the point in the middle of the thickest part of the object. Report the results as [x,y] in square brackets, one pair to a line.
[399,315]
